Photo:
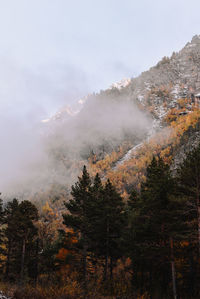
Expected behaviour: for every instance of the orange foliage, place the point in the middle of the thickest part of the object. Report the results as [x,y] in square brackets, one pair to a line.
[63,252]
[164,143]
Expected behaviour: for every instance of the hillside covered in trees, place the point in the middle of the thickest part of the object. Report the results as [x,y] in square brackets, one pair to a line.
[147,246]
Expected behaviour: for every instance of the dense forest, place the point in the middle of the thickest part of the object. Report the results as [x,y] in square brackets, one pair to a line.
[105,246]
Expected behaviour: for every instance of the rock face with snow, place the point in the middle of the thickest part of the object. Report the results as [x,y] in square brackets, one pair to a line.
[162,85]
[121,84]
[171,79]
[67,111]
[157,91]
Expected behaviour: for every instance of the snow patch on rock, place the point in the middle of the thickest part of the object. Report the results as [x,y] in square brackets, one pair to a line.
[121,84]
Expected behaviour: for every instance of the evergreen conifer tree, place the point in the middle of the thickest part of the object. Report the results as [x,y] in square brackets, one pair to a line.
[21,235]
[188,188]
[112,225]
[2,250]
[188,179]
[79,206]
[156,222]
[97,216]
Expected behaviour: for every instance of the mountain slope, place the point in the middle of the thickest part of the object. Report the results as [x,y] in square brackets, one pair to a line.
[117,131]
[169,91]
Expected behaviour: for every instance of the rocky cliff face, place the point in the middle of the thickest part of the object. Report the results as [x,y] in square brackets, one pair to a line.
[171,79]
[162,85]
[174,83]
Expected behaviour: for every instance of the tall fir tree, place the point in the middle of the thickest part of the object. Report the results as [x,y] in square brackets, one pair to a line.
[156,222]
[2,250]
[11,221]
[95,213]
[112,225]
[188,188]
[21,235]
[97,216]
[78,207]
[188,179]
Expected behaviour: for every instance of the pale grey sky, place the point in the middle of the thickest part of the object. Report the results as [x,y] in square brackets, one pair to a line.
[54,51]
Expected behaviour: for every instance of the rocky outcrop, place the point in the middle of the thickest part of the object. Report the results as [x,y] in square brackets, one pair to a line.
[2,296]
[171,79]
[188,144]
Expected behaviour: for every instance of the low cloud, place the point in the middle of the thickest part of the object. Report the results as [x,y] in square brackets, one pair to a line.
[33,154]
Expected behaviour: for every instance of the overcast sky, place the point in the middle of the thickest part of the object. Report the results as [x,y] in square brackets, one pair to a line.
[53,52]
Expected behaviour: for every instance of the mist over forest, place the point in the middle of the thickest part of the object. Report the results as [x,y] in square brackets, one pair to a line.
[43,151]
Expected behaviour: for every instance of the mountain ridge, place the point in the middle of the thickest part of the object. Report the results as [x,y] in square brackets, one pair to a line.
[181,72]
[170,92]
[118,130]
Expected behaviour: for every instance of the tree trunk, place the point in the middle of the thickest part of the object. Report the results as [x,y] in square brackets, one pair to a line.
[111,268]
[198,219]
[8,260]
[142,280]
[107,250]
[133,276]
[106,268]
[36,262]
[85,266]
[198,206]
[192,273]
[173,269]
[151,282]
[22,261]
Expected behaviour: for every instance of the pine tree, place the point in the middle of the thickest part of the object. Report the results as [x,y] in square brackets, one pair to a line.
[21,235]
[134,236]
[95,213]
[11,220]
[112,226]
[2,251]
[78,207]
[156,222]
[160,212]
[27,231]
[188,188]
[188,179]
[97,217]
